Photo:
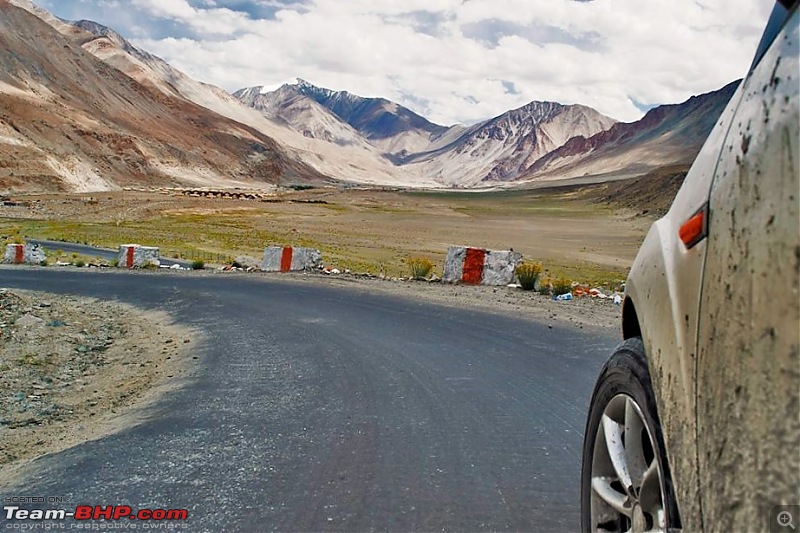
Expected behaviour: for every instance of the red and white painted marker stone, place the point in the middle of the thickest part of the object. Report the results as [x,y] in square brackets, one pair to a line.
[24,254]
[137,256]
[290,258]
[477,266]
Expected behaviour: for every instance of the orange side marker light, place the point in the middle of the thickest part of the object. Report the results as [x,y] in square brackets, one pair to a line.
[695,229]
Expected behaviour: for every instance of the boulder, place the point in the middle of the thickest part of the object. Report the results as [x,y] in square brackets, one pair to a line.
[246,262]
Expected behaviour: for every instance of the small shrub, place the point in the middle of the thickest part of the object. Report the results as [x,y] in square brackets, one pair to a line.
[115,263]
[561,286]
[528,275]
[420,267]
[80,263]
[545,286]
[198,264]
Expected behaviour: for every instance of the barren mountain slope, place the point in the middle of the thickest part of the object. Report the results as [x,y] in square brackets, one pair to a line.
[389,126]
[377,132]
[666,135]
[356,161]
[303,115]
[71,122]
[498,150]
[278,135]
[501,149]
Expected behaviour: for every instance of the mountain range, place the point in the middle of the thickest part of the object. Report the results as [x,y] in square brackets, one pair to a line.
[83,109]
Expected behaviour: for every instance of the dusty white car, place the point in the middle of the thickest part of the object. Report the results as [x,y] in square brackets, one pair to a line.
[694,423]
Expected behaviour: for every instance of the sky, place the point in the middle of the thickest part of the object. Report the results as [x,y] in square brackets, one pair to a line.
[452,61]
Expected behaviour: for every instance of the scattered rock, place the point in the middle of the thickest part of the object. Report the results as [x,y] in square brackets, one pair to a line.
[246,263]
[28,321]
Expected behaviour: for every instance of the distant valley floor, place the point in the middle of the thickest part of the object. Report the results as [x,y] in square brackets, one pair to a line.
[588,233]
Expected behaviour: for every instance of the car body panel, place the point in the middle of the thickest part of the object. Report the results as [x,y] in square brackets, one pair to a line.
[699,340]
[665,282]
[720,318]
[748,378]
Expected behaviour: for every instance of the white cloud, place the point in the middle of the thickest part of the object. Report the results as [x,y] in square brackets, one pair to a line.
[178,9]
[447,58]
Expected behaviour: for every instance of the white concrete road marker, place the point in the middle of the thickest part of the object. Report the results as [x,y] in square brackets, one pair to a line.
[24,254]
[477,266]
[137,256]
[289,258]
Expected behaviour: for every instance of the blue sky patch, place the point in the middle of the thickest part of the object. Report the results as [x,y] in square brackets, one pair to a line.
[491,31]
[641,106]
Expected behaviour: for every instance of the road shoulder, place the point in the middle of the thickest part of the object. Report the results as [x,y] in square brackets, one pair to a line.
[75,369]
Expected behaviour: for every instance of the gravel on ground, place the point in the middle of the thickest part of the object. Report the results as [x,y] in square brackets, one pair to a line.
[72,369]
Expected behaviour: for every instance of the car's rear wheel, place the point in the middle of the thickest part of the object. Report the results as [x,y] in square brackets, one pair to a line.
[625,479]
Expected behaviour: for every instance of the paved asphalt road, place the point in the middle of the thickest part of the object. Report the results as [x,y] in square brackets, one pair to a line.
[330,409]
[91,251]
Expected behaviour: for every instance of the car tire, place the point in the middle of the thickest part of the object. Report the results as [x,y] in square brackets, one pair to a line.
[625,481]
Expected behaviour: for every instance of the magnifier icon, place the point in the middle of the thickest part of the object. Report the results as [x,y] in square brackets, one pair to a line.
[785,519]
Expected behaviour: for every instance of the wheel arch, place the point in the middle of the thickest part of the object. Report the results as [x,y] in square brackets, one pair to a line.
[630,320]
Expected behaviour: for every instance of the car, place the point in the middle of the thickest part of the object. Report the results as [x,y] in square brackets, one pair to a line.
[694,422]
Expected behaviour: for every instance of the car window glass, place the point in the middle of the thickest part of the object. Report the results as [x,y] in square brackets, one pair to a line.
[776,20]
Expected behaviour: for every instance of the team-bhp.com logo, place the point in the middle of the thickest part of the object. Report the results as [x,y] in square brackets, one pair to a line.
[15,514]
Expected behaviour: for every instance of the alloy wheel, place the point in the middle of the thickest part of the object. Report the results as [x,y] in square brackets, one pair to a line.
[627,486]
